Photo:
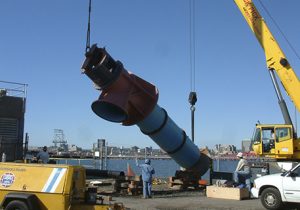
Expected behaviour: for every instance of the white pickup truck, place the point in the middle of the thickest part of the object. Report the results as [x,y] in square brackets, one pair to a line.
[278,190]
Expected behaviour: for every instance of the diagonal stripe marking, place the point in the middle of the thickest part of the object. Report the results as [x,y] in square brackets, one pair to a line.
[57,181]
[49,179]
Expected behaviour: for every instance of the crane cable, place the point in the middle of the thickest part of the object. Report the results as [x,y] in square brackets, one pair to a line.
[88,33]
[192,95]
[192,45]
[288,42]
[279,29]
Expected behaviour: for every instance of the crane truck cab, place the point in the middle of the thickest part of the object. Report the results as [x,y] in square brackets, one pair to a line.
[279,189]
[275,141]
[47,187]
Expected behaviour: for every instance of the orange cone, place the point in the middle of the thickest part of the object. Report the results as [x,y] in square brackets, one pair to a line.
[202,182]
[129,171]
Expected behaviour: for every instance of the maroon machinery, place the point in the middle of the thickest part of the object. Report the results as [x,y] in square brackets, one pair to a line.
[125,98]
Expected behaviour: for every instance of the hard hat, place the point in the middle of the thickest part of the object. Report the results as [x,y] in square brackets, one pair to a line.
[147,161]
[240,155]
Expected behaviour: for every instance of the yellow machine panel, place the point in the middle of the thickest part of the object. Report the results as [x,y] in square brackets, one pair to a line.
[47,182]
[33,178]
[54,187]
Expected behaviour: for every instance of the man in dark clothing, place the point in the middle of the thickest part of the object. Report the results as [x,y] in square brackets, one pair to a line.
[43,156]
[147,171]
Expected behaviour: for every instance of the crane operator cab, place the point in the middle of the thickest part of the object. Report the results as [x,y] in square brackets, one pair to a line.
[274,141]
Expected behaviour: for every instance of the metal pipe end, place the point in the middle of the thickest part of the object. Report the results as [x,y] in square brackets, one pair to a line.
[202,165]
[109,111]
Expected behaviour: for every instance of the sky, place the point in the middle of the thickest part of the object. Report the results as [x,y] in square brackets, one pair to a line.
[42,44]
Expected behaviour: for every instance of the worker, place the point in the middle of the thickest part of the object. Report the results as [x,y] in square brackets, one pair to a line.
[272,137]
[242,171]
[3,159]
[147,172]
[43,156]
[269,142]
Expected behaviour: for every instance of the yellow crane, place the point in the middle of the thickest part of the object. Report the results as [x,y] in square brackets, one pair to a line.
[277,141]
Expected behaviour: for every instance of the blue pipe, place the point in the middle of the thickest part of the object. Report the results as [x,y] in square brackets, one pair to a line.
[173,140]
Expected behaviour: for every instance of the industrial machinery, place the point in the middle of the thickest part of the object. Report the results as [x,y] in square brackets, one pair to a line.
[12,114]
[128,99]
[277,141]
[47,187]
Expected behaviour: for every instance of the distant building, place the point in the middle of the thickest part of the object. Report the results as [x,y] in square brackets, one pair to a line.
[101,143]
[113,150]
[224,149]
[73,148]
[246,145]
[134,149]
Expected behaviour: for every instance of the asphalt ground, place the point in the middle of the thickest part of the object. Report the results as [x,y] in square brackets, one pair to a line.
[186,201]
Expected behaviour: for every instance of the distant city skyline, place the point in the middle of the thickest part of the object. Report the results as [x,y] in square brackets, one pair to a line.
[216,148]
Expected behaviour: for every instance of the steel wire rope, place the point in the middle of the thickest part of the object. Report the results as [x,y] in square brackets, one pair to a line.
[192,95]
[289,44]
[192,45]
[279,29]
[88,33]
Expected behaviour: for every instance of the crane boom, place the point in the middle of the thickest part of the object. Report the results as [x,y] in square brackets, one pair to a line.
[275,58]
[277,141]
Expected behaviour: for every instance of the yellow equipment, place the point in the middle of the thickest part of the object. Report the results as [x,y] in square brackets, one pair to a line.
[47,187]
[275,141]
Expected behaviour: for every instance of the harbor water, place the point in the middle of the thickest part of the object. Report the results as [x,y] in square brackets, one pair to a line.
[163,167]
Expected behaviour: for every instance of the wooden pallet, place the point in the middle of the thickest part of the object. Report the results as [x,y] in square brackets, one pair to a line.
[227,192]
[183,183]
[123,185]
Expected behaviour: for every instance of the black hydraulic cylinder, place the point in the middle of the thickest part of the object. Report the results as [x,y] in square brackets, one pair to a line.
[104,173]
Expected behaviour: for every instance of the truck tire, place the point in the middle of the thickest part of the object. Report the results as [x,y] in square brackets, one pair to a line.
[271,199]
[16,205]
